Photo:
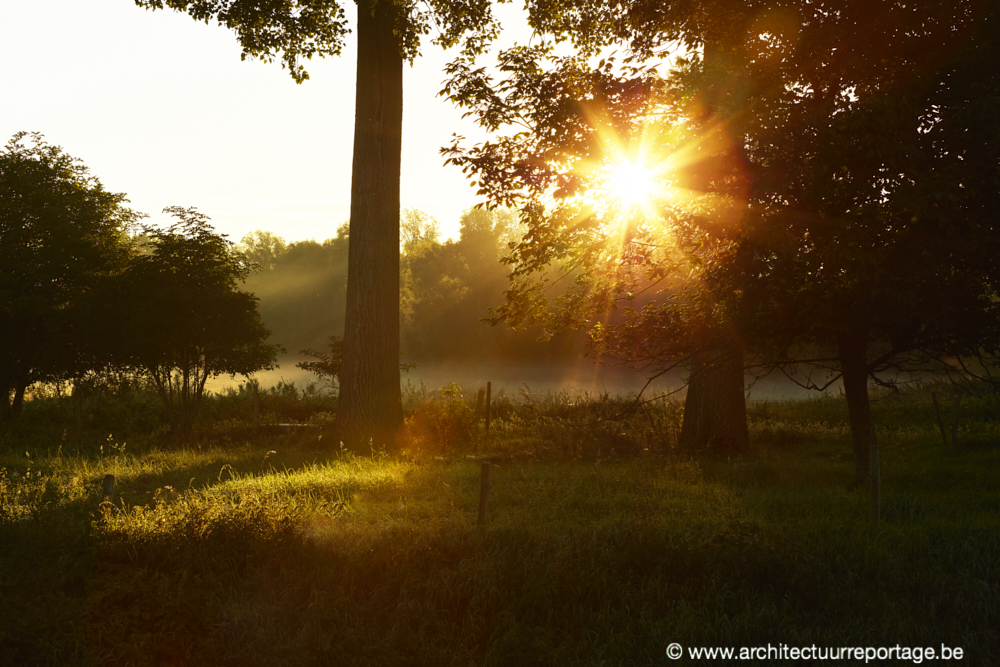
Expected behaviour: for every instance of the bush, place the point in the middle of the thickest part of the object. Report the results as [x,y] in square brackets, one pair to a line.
[566,426]
[438,423]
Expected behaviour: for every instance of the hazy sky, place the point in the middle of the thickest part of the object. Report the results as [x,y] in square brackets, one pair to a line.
[160,107]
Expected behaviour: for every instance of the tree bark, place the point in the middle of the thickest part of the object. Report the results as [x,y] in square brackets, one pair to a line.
[18,403]
[854,370]
[5,388]
[715,411]
[370,406]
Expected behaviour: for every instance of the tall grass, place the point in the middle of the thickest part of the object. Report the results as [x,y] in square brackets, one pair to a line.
[600,549]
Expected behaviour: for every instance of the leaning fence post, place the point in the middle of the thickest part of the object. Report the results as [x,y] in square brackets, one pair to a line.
[109,488]
[937,409]
[489,387]
[484,492]
[479,402]
[875,474]
[954,421]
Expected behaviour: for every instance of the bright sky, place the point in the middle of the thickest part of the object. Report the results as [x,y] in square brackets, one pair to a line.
[160,107]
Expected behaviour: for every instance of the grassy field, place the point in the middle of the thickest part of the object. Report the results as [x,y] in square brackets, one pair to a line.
[604,545]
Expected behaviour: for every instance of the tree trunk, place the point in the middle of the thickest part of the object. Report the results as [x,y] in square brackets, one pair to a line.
[5,387]
[15,407]
[854,370]
[715,410]
[370,404]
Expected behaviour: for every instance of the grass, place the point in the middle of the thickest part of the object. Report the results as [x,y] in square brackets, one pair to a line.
[604,545]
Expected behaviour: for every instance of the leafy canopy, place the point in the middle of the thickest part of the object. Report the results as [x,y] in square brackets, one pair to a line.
[293,30]
[824,170]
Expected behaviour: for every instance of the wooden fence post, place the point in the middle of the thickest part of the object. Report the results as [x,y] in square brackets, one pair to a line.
[937,410]
[954,421]
[489,387]
[109,488]
[479,402]
[484,492]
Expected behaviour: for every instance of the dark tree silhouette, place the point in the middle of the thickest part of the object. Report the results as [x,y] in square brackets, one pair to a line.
[61,233]
[177,316]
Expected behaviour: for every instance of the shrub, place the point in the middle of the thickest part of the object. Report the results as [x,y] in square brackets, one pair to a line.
[438,423]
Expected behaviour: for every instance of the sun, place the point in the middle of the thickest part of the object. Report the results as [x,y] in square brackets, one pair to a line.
[632,183]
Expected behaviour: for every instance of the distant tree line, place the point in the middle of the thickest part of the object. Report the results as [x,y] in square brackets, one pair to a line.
[447,289]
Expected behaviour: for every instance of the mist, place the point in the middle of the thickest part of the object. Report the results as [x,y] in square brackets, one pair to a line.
[581,377]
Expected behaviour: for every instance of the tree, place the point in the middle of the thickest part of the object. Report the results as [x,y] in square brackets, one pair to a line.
[302,297]
[262,248]
[61,233]
[448,287]
[178,317]
[853,185]
[417,228]
[585,127]
[580,124]
[327,364]
[878,236]
[388,33]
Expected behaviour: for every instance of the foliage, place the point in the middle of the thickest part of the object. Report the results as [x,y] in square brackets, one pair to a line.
[61,233]
[417,228]
[448,289]
[303,295]
[299,29]
[328,366]
[178,316]
[836,215]
[439,423]
[262,249]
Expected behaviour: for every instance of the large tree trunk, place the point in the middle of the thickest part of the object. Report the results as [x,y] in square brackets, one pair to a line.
[715,410]
[854,370]
[370,404]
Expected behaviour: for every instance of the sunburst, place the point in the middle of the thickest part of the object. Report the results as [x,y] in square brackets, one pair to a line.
[632,183]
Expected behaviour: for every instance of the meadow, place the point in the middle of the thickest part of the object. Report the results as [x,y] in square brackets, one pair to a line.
[604,545]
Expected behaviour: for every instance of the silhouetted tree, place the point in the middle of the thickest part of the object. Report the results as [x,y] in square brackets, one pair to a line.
[178,317]
[326,363]
[61,233]
[832,175]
